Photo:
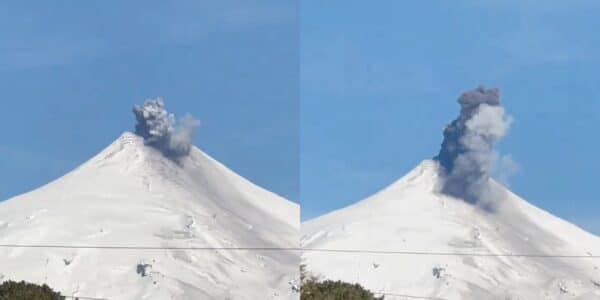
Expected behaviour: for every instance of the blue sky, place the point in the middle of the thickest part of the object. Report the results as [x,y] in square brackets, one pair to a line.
[71,71]
[379,81]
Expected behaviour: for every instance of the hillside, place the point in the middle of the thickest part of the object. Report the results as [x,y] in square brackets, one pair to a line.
[410,216]
[130,195]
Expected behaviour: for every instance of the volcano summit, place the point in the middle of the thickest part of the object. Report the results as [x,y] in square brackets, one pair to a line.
[131,223]
[447,230]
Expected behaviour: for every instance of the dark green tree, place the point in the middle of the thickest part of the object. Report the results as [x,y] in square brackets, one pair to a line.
[12,290]
[313,289]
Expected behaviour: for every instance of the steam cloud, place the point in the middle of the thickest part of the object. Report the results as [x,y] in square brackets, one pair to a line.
[159,130]
[467,155]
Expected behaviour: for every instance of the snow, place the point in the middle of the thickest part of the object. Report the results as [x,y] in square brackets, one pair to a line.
[131,195]
[410,216]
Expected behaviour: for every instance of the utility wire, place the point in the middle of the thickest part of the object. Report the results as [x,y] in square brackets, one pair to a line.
[323,250]
[377,293]
[354,251]
[408,296]
[146,247]
[82,298]
[428,253]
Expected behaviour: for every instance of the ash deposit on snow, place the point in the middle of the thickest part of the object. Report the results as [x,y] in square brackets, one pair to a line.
[159,129]
[467,155]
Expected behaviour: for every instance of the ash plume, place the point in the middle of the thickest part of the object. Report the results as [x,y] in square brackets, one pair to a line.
[159,129]
[467,155]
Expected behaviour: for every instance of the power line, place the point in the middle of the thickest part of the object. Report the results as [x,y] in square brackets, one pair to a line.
[379,293]
[530,255]
[82,298]
[112,247]
[409,296]
[323,250]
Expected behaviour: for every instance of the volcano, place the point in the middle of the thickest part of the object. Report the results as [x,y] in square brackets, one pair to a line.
[409,239]
[133,224]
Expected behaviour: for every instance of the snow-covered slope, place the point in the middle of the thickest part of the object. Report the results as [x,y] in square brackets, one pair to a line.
[410,216]
[131,195]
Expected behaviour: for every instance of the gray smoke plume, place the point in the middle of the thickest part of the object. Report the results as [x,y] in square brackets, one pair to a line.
[467,156]
[159,130]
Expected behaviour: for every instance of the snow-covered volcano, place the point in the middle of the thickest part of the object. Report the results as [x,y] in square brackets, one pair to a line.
[131,195]
[410,216]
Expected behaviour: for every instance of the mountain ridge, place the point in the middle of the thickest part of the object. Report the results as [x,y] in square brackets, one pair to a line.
[411,216]
[131,195]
